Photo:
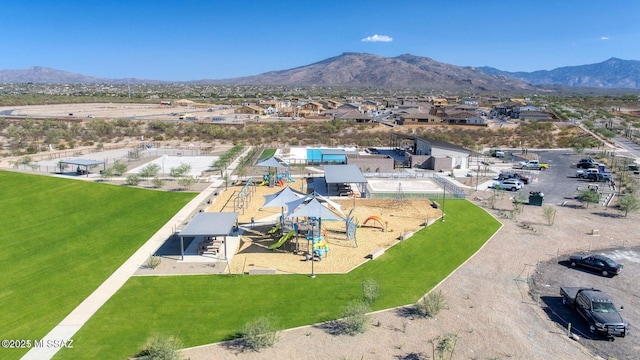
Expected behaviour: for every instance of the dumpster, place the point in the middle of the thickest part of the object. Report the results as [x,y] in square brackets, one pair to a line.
[536,198]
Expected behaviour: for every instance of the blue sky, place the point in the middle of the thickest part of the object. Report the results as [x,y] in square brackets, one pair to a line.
[197,39]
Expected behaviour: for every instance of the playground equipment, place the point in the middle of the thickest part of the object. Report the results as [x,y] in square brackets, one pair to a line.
[320,249]
[377,219]
[274,229]
[279,179]
[244,196]
[282,240]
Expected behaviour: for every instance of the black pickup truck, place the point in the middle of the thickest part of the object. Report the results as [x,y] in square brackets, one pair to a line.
[587,164]
[597,309]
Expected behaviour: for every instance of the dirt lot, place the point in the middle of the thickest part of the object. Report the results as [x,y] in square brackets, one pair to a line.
[489,306]
[623,290]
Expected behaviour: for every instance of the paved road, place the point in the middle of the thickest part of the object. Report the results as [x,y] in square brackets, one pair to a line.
[629,146]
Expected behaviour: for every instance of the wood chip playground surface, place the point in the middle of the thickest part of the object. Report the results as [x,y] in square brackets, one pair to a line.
[391,220]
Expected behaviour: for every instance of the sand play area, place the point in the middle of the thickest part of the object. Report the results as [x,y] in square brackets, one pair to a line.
[401,219]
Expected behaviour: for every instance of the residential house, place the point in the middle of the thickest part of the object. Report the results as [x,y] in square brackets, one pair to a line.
[418,117]
[250,110]
[353,115]
[463,118]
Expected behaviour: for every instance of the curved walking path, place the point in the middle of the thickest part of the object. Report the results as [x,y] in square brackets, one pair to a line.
[83,312]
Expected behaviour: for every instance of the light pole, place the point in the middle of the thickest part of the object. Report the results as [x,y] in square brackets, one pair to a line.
[444,194]
[313,224]
[164,157]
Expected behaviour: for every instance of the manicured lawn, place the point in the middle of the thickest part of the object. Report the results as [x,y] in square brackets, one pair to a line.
[60,239]
[267,154]
[205,309]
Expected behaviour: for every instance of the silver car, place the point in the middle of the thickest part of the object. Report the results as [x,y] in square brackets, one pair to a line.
[510,184]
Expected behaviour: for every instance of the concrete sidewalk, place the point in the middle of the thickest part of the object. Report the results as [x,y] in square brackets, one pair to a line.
[83,312]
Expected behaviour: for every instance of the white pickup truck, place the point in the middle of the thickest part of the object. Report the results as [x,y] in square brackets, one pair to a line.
[583,174]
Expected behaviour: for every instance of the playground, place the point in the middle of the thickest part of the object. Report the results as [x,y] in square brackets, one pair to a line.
[383,223]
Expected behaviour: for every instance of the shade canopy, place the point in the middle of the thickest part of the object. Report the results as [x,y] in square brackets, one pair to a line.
[282,197]
[273,162]
[313,209]
[298,205]
[210,224]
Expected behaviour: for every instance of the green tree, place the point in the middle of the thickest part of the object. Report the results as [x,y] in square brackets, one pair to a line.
[370,290]
[107,174]
[180,170]
[150,171]
[589,196]
[119,168]
[629,203]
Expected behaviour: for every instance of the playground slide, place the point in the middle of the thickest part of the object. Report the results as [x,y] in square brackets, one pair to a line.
[274,229]
[282,240]
[281,182]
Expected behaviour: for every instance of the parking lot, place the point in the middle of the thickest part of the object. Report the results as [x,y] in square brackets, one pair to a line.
[623,290]
[559,183]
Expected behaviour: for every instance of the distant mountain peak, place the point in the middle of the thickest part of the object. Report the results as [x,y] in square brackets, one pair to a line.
[613,73]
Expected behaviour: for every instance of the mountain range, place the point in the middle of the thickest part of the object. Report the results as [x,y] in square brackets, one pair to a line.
[404,71]
[610,74]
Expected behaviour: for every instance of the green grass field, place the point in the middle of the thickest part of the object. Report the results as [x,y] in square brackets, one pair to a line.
[205,309]
[60,239]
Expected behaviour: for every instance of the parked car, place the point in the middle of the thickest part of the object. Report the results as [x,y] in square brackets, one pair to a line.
[600,177]
[496,153]
[514,175]
[584,174]
[597,263]
[597,309]
[533,164]
[509,184]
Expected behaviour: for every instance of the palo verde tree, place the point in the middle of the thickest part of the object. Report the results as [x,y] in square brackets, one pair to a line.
[589,196]
[629,203]
[150,171]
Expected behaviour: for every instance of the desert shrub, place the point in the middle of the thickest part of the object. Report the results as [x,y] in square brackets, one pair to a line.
[370,290]
[445,345]
[259,334]
[133,180]
[157,182]
[186,182]
[549,213]
[430,305]
[355,320]
[162,348]
[153,262]
[119,168]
